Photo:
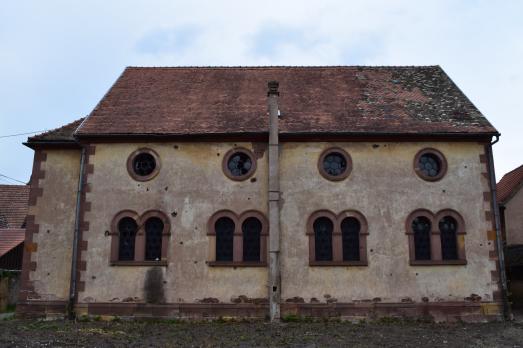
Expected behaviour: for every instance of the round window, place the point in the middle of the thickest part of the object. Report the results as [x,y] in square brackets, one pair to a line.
[239,164]
[335,164]
[430,164]
[143,164]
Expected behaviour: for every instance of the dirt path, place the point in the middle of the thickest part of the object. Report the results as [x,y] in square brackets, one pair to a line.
[24,333]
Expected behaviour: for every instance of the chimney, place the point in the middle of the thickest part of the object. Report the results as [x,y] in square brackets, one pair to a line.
[274,203]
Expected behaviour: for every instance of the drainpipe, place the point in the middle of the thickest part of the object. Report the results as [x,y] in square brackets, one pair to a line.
[74,261]
[497,225]
[274,204]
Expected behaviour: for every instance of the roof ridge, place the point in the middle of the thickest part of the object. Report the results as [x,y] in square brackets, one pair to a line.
[512,171]
[261,67]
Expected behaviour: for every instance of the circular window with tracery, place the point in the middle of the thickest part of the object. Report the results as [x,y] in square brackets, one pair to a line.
[239,164]
[335,164]
[430,164]
[143,164]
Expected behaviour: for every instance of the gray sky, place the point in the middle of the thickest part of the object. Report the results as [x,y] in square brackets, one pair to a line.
[58,58]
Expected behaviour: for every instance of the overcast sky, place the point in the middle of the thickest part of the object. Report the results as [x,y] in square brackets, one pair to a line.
[58,58]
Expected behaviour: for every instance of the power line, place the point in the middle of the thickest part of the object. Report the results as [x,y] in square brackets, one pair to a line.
[19,134]
[8,177]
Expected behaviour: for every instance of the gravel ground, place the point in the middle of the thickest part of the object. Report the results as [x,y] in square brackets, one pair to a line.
[32,333]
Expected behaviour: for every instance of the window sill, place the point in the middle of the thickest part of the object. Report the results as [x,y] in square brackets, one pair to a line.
[162,263]
[235,264]
[337,263]
[438,262]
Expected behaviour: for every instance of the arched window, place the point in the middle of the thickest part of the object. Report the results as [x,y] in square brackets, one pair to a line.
[448,227]
[436,239]
[421,228]
[251,230]
[127,228]
[224,228]
[153,239]
[350,232]
[323,228]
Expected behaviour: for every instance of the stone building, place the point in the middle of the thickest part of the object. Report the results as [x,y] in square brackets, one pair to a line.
[200,192]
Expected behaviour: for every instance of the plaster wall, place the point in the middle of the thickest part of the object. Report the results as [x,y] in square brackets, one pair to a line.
[514,219]
[385,189]
[55,215]
[190,187]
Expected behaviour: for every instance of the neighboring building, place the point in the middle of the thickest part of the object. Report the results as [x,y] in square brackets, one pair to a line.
[381,204]
[510,201]
[13,210]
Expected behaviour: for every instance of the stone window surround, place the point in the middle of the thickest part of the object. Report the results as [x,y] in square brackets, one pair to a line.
[228,155]
[435,238]
[130,160]
[337,240]
[238,239]
[441,158]
[348,159]
[139,246]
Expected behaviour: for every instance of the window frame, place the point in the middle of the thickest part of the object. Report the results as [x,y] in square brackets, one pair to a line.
[441,158]
[435,238]
[238,239]
[337,238]
[326,175]
[130,161]
[140,239]
[244,151]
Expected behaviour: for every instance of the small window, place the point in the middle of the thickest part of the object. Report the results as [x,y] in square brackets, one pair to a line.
[224,228]
[335,164]
[143,164]
[153,239]
[350,231]
[127,228]
[448,226]
[323,228]
[251,229]
[239,164]
[430,164]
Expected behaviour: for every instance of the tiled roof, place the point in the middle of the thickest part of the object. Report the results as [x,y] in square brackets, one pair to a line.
[62,134]
[509,184]
[329,100]
[13,205]
[10,238]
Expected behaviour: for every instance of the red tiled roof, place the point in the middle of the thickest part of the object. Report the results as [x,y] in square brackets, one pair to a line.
[61,134]
[13,205]
[509,184]
[10,238]
[232,100]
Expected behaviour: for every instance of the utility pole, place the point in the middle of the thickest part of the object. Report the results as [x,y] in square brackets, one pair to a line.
[274,203]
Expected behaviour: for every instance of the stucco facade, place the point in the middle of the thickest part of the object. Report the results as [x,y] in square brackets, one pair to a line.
[191,186]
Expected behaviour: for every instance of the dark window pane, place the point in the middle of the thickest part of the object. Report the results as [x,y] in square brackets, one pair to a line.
[350,232]
[323,238]
[224,228]
[429,164]
[144,164]
[127,229]
[448,227]
[334,164]
[153,239]
[239,164]
[251,229]
[421,227]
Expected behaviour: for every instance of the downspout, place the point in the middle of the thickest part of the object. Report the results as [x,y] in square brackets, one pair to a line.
[274,204]
[497,226]
[74,261]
